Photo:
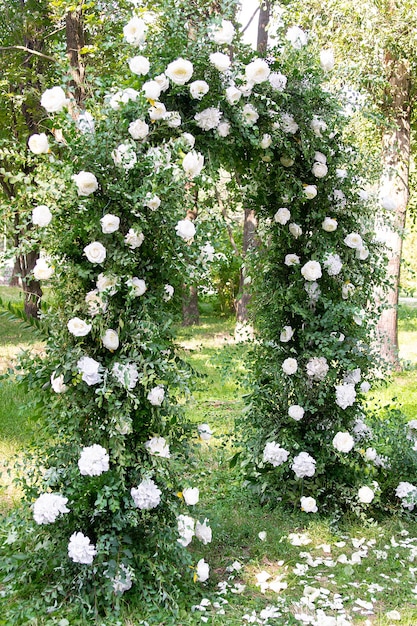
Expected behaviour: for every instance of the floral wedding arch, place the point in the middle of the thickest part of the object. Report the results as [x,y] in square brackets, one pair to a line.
[115,218]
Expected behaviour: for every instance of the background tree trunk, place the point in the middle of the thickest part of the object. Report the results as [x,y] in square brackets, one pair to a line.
[396,158]
[249,231]
[190,312]
[75,42]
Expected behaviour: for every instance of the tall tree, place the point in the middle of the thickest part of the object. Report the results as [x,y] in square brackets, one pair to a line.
[384,67]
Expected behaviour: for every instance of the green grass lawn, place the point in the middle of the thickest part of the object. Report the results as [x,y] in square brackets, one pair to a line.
[308,563]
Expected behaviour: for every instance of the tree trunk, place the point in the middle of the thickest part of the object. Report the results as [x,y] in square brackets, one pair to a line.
[14,278]
[190,313]
[31,287]
[396,159]
[264,17]
[249,231]
[75,42]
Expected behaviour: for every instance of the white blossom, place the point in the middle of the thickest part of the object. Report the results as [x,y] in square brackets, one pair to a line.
[156,395]
[288,123]
[146,495]
[304,465]
[48,507]
[311,271]
[296,412]
[133,239]
[192,164]
[366,495]
[345,395]
[138,129]
[290,366]
[89,370]
[57,383]
[318,126]
[93,461]
[353,240]
[54,100]
[135,31]
[203,532]
[310,191]
[157,111]
[343,442]
[185,525]
[224,33]
[198,89]
[220,61]
[139,65]
[109,223]
[95,252]
[202,571]
[78,327]
[282,216]
[41,215]
[233,95]
[277,81]
[297,37]
[292,259]
[333,264]
[308,504]
[327,60]
[249,115]
[319,170]
[257,71]
[329,224]
[168,292]
[157,446]
[110,339]
[204,431]
[295,230]
[317,368]
[126,374]
[208,119]
[190,495]
[124,156]
[38,143]
[179,71]
[185,229]
[286,334]
[123,581]
[86,183]
[274,454]
[136,285]
[80,549]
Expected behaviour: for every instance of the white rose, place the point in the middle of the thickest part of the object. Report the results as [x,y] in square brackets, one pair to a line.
[110,339]
[95,303]
[313,291]
[180,71]
[329,224]
[151,89]
[38,144]
[109,223]
[290,366]
[366,495]
[93,461]
[345,395]
[89,368]
[190,495]
[54,100]
[291,259]
[48,507]
[365,386]
[347,290]
[277,81]
[137,285]
[95,252]
[135,31]
[224,33]
[233,95]
[42,271]
[41,215]
[203,532]
[168,292]
[57,383]
[257,71]
[310,191]
[80,549]
[202,571]
[162,81]
[152,202]
[193,163]
[223,129]
[208,118]
[288,123]
[311,271]
[318,126]
[282,216]
[173,119]
[220,61]
[297,37]
[319,170]
[107,284]
[353,240]
[156,395]
[138,129]
[198,89]
[362,253]
[296,412]
[304,465]
[343,442]
[139,65]
[286,334]
[185,229]
[327,60]
[333,264]
[250,115]
[189,140]
[157,111]
[185,525]
[134,239]
[158,446]
[295,230]
[274,454]
[320,157]
[78,327]
[266,141]
[86,183]
[205,432]
[308,504]
[317,368]
[124,156]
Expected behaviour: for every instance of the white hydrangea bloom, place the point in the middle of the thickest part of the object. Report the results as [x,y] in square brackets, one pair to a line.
[80,549]
[304,465]
[146,495]
[93,461]
[345,395]
[274,454]
[126,374]
[48,507]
